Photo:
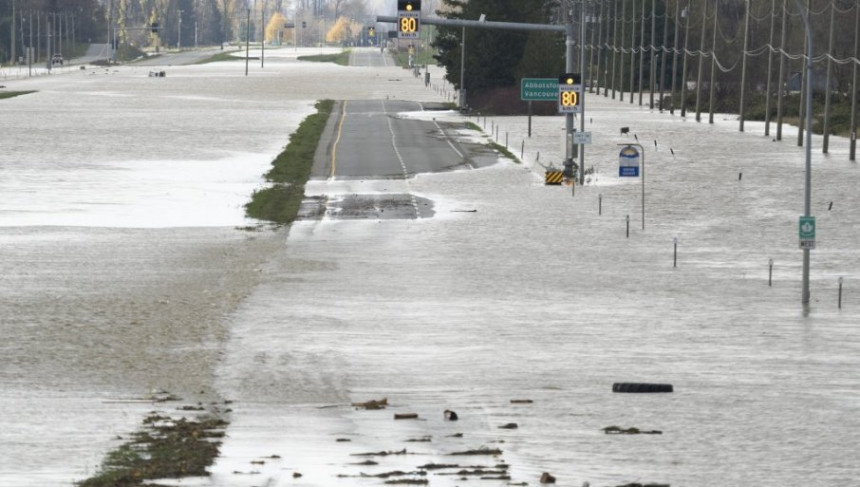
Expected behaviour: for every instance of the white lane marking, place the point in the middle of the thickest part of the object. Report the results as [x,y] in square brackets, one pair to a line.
[450,142]
[402,162]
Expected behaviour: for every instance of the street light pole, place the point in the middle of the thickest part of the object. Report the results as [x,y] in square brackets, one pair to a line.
[582,93]
[462,97]
[807,194]
[179,32]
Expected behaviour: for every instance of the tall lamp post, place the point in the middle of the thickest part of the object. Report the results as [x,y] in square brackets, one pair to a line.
[808,190]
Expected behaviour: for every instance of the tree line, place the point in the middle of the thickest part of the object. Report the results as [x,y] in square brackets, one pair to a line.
[61,25]
[697,56]
[46,25]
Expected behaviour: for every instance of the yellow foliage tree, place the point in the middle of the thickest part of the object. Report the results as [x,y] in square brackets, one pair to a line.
[276,27]
[342,30]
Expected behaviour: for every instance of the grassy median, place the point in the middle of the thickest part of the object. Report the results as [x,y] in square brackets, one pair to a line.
[280,202]
[341,58]
[11,94]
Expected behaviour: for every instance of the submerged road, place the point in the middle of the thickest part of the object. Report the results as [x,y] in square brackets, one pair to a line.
[369,139]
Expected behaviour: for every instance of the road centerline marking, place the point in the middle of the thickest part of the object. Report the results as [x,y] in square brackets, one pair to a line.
[337,140]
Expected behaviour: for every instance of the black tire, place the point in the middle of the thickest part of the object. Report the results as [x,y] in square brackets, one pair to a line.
[641,387]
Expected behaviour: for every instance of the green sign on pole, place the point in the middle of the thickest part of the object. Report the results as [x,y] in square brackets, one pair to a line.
[539,89]
[806,232]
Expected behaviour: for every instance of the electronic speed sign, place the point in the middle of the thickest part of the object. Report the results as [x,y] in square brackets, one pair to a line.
[568,93]
[408,19]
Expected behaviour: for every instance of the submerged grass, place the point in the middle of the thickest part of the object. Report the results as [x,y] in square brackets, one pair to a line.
[165,448]
[341,58]
[221,56]
[504,151]
[12,94]
[290,171]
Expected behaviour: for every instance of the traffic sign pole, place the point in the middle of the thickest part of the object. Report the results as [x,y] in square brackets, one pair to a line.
[642,151]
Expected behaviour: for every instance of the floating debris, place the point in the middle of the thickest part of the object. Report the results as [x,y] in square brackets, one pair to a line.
[385,475]
[546,478]
[373,404]
[438,466]
[380,454]
[343,440]
[479,451]
[521,401]
[455,435]
[368,463]
[476,472]
[423,439]
[406,416]
[451,415]
[509,426]
[616,430]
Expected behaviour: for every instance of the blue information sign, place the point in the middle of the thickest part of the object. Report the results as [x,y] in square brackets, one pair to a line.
[628,171]
[628,162]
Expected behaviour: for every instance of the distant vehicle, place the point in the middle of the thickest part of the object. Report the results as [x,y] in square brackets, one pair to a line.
[57,59]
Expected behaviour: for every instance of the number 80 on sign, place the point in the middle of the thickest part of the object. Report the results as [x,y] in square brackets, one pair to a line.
[408,25]
[568,93]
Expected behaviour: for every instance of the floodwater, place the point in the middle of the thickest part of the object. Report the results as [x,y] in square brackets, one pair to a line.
[512,290]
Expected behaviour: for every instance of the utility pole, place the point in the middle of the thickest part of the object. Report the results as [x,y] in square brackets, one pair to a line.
[179,32]
[14,53]
[248,42]
[808,189]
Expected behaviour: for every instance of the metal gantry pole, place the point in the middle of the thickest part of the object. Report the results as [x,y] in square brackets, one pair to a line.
[568,117]
[582,93]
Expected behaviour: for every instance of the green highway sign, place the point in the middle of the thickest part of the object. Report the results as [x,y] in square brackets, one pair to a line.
[806,232]
[539,89]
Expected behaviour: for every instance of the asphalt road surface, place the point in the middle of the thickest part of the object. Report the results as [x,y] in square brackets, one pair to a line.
[371,139]
[372,56]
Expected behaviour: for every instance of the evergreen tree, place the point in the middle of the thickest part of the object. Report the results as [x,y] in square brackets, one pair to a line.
[492,55]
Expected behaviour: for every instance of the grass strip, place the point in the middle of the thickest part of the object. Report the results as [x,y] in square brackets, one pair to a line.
[341,58]
[504,151]
[222,56]
[12,94]
[290,171]
[165,448]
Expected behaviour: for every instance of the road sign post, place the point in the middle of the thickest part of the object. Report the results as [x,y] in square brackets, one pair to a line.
[537,89]
[627,154]
[806,232]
